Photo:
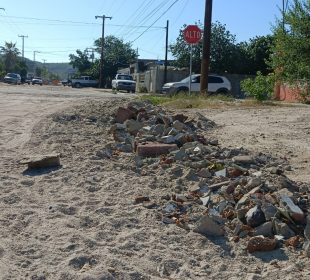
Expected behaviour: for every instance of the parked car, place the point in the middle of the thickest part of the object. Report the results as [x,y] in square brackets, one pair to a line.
[124,82]
[84,81]
[37,81]
[216,84]
[12,78]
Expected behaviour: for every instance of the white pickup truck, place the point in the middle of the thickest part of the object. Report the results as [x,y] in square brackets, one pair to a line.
[124,82]
[84,81]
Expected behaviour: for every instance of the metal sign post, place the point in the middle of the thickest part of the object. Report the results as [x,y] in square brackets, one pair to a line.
[190,70]
[192,35]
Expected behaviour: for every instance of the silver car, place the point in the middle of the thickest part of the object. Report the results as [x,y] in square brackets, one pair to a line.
[12,78]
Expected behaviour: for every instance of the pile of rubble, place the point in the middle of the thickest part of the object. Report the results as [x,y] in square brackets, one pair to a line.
[218,191]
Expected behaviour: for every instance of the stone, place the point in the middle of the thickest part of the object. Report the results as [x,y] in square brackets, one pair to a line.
[253,183]
[307,228]
[191,175]
[204,173]
[286,183]
[179,154]
[243,160]
[205,200]
[178,125]
[179,117]
[283,229]
[158,129]
[141,199]
[295,212]
[255,217]
[151,149]
[260,243]
[176,171]
[43,161]
[244,199]
[208,227]
[265,229]
[269,211]
[169,139]
[133,126]
[123,114]
[221,173]
[306,248]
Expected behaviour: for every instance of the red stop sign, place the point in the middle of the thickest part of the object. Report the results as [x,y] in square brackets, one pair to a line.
[192,34]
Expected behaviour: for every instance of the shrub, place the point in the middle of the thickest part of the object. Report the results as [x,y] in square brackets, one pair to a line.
[260,88]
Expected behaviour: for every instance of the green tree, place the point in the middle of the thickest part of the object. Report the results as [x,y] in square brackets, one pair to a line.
[117,54]
[225,54]
[80,61]
[291,53]
[10,54]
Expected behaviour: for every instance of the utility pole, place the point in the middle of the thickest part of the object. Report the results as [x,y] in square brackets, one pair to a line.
[101,82]
[166,53]
[34,61]
[92,56]
[205,62]
[23,40]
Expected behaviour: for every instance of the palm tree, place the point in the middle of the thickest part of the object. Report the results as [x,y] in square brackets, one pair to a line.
[10,54]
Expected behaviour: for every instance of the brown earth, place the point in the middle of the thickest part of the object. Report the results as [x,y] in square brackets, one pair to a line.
[80,221]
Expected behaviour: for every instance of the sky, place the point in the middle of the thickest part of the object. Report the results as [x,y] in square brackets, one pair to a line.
[56,28]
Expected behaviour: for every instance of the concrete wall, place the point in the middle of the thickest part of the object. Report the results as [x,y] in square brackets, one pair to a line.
[153,79]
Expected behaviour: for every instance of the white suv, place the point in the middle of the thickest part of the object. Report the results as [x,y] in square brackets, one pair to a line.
[216,84]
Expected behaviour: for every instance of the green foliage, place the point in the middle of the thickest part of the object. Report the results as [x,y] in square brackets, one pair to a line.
[80,61]
[226,55]
[291,58]
[260,88]
[10,55]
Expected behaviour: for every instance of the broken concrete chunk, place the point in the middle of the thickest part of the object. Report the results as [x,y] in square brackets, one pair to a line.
[133,126]
[265,229]
[255,217]
[243,160]
[260,243]
[123,114]
[43,161]
[295,212]
[151,149]
[207,226]
[283,229]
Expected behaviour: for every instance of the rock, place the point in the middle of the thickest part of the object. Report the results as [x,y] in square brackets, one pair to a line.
[295,212]
[133,126]
[141,199]
[260,243]
[306,248]
[307,229]
[244,199]
[283,229]
[191,175]
[221,173]
[265,229]
[176,171]
[255,217]
[205,200]
[123,114]
[150,149]
[209,227]
[269,211]
[204,173]
[178,125]
[286,183]
[253,183]
[243,160]
[43,161]
[158,129]
[179,154]
[169,139]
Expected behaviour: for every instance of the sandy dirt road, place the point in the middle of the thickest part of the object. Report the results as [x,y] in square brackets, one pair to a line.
[80,222]
[21,107]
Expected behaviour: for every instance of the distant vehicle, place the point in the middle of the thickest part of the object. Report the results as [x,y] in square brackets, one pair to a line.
[37,81]
[84,81]
[124,82]
[12,78]
[66,82]
[216,84]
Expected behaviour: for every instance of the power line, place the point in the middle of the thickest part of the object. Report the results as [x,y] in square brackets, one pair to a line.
[156,20]
[74,22]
